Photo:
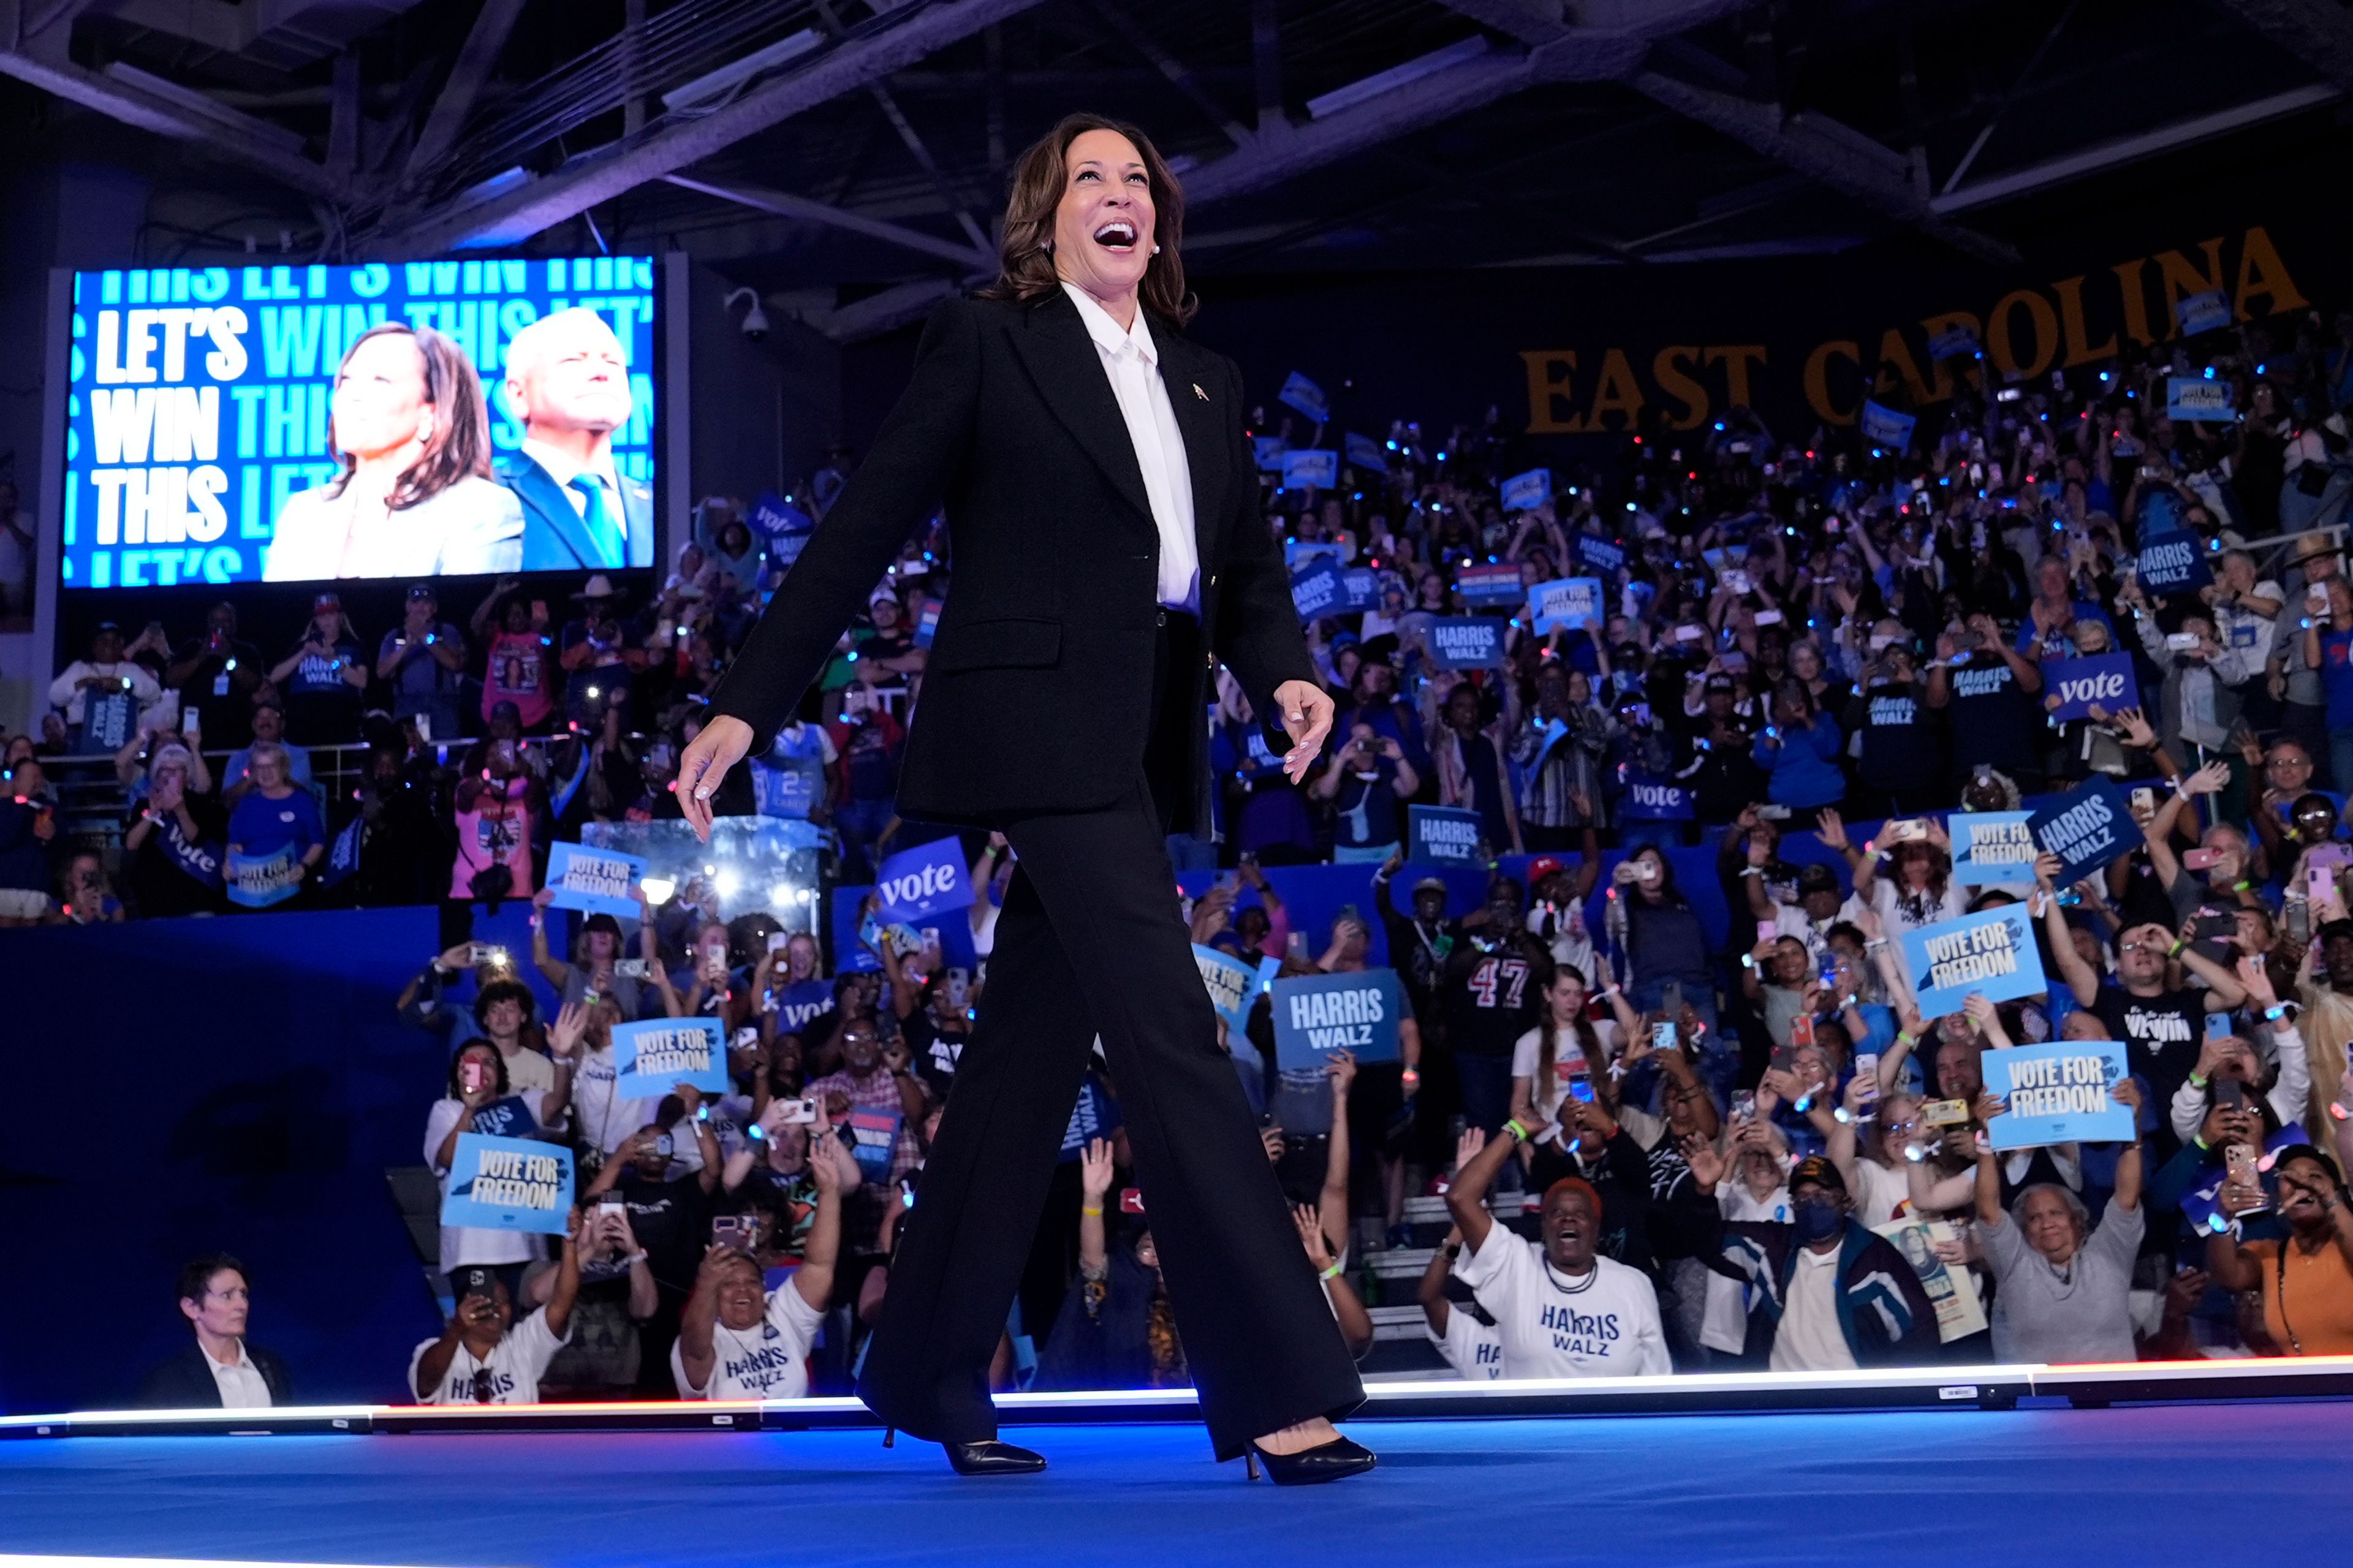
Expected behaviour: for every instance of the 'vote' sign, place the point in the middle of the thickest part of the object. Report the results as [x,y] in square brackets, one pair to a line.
[2104,679]
[924,881]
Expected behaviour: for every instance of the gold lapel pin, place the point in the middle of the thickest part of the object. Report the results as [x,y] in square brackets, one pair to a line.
[1199,393]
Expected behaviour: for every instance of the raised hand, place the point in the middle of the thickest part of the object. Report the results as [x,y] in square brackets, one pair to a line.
[1312,1237]
[1831,831]
[1095,1170]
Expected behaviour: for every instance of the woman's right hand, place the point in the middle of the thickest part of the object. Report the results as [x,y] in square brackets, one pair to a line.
[1095,1171]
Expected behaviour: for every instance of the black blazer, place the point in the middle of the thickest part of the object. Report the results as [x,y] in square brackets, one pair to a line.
[186,1382]
[1038,693]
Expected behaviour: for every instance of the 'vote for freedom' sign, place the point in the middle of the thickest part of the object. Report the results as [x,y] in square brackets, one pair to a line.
[2195,397]
[2086,827]
[2058,1093]
[1566,602]
[655,1057]
[595,881]
[1443,836]
[1316,468]
[1232,984]
[1316,1015]
[1990,954]
[923,880]
[1991,847]
[1467,642]
[509,1184]
[2105,680]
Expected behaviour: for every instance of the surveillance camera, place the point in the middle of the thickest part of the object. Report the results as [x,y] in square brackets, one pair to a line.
[755,320]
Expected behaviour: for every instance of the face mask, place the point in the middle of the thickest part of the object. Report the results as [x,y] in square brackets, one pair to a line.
[1816,1220]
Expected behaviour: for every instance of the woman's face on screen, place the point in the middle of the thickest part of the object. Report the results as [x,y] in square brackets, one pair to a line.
[1103,225]
[380,404]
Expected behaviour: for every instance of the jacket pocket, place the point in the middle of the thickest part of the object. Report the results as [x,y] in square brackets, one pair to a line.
[1008,644]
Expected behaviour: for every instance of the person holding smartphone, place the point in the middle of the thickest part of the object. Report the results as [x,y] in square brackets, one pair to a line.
[2306,1278]
[738,1341]
[482,1099]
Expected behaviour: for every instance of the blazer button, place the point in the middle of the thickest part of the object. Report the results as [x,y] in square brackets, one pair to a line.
[1160,618]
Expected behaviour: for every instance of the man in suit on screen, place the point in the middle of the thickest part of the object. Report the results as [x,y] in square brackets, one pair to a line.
[568,382]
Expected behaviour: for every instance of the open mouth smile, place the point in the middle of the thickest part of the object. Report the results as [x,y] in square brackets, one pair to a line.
[1118,236]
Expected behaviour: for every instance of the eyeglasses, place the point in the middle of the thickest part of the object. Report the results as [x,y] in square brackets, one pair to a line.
[484,1389]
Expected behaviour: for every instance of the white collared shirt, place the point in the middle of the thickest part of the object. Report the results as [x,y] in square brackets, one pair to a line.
[562,468]
[240,1382]
[1132,361]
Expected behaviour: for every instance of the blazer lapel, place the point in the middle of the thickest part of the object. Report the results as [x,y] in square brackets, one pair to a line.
[1194,392]
[545,501]
[1069,376]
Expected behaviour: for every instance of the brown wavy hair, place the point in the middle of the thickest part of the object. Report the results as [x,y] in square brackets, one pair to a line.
[460,445]
[1025,253]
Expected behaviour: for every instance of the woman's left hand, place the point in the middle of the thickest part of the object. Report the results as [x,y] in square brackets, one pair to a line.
[1306,710]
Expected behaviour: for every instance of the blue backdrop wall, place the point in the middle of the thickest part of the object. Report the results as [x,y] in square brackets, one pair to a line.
[182,1086]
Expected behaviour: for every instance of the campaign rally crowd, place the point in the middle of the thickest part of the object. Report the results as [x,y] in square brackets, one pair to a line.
[1856,898]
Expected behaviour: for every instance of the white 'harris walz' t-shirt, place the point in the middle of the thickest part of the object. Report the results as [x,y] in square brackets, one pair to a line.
[1602,1324]
[767,1361]
[1470,1346]
[514,1365]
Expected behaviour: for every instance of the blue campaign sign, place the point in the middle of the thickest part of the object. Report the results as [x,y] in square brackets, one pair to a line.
[2172,559]
[1990,954]
[927,622]
[2206,313]
[258,882]
[1360,588]
[2104,679]
[1307,397]
[1596,553]
[1443,836]
[1298,552]
[508,1118]
[2057,1093]
[1566,602]
[509,1184]
[1650,799]
[1883,426]
[920,883]
[654,1057]
[2086,827]
[798,1003]
[1467,642]
[1267,452]
[1311,468]
[1364,452]
[1495,587]
[774,517]
[1318,591]
[1958,341]
[2195,397]
[1527,492]
[1232,984]
[342,855]
[1991,847]
[876,1135]
[1316,1014]
[595,881]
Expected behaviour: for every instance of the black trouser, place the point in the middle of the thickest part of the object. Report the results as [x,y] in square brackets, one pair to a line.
[1090,941]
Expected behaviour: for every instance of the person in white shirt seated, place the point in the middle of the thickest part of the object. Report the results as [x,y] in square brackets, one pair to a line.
[1464,1335]
[218,1370]
[484,1356]
[1560,1308]
[736,1341]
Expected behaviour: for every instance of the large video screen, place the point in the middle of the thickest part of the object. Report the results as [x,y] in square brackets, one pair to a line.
[403,420]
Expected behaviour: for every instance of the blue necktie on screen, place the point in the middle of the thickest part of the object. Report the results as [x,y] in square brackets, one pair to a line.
[611,549]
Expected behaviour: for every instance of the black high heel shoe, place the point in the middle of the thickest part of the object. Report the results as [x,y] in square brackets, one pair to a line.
[1329,1461]
[993,1458]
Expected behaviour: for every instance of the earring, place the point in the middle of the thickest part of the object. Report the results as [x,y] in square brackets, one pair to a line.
[1156,250]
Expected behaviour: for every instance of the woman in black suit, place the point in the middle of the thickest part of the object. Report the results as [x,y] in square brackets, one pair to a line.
[1108,552]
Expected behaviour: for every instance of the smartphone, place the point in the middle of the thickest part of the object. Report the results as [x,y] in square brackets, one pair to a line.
[612,1206]
[1131,1201]
[1783,1058]
[485,955]
[1735,661]
[2238,1163]
[2230,1091]
[189,722]
[1580,1088]
[1768,931]
[1772,813]
[740,1231]
[1944,1113]
[2144,799]
[2181,642]
[1907,831]
[2299,919]
[778,939]
[630,968]
[473,1077]
[2316,597]
[1662,1036]
[1866,1067]
[801,1113]
[2201,859]
[1802,1031]
[2320,884]
[1743,1105]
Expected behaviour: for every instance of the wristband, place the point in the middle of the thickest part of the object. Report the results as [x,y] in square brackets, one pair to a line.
[2196,1081]
[1331,1273]
[2274,1014]
[2175,951]
[1752,870]
[1904,1038]
[1518,1132]
[1095,1209]
[1410,1077]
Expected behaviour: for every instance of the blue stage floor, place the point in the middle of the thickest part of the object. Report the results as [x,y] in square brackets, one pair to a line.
[2041,1487]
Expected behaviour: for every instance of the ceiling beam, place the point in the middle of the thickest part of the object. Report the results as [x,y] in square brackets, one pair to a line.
[485,42]
[783,204]
[879,313]
[1179,76]
[2131,149]
[2318,32]
[257,143]
[897,38]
